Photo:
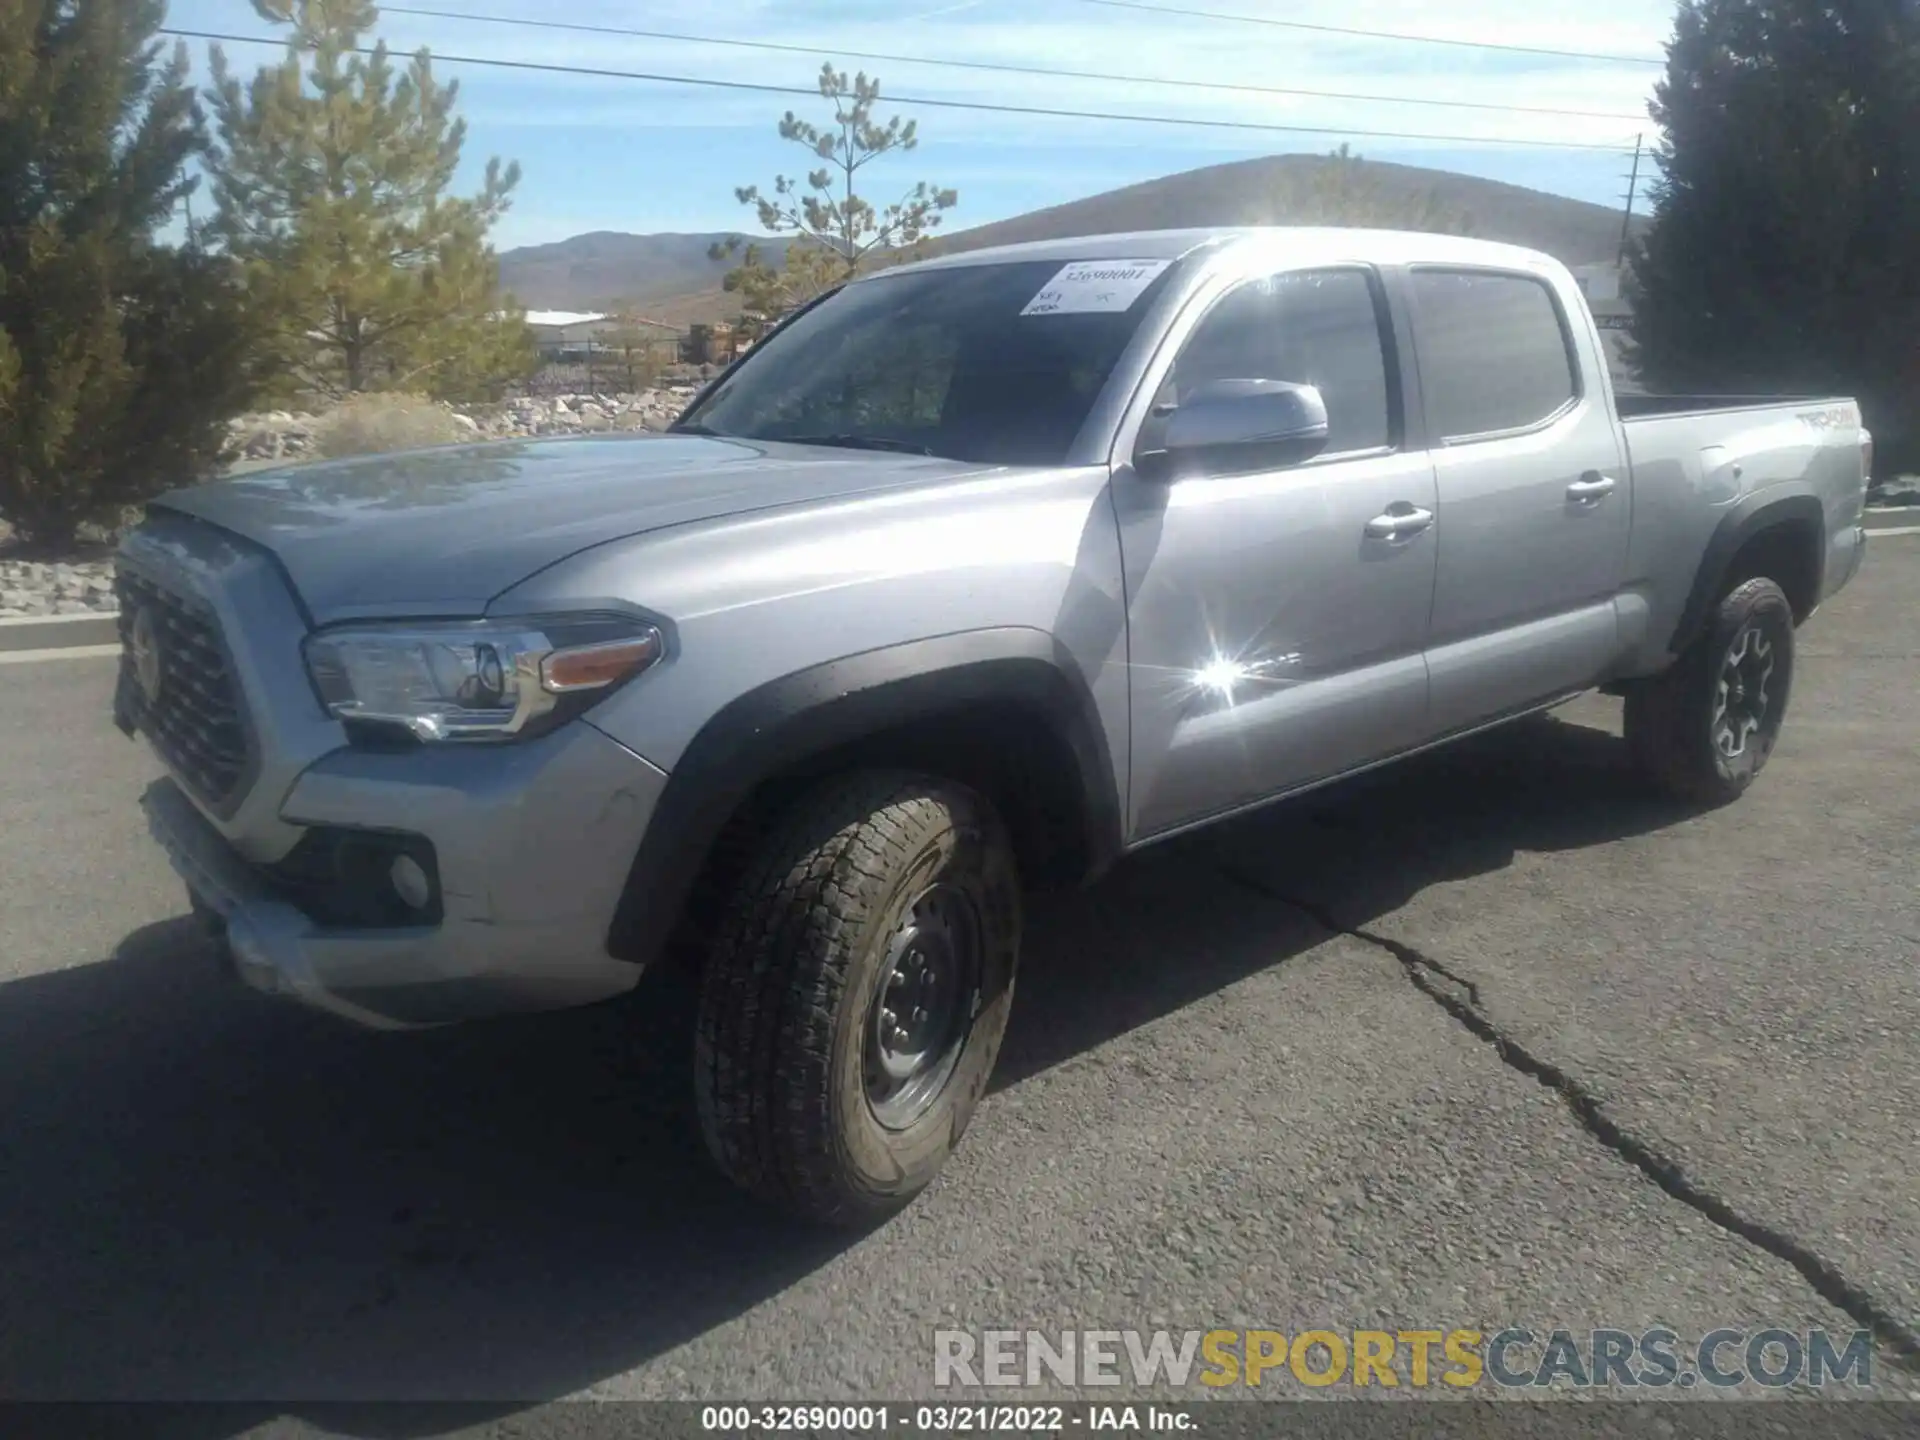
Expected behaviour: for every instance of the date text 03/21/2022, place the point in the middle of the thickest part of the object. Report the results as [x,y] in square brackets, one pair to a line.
[940,1419]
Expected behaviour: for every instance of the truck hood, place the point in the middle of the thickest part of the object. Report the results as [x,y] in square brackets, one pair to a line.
[444,531]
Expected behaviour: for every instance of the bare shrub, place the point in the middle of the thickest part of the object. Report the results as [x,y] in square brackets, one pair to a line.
[376,424]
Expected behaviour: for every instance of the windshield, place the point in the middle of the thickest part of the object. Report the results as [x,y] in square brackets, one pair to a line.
[993,363]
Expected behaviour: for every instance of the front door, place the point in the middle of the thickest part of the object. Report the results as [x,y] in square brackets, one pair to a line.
[1277,618]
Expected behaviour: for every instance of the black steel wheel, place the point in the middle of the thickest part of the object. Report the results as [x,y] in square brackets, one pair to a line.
[921,1014]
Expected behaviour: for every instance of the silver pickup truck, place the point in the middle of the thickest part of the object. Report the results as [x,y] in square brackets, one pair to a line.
[975,575]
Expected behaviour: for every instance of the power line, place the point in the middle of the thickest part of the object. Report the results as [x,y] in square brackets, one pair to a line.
[818,52]
[1374,34]
[932,103]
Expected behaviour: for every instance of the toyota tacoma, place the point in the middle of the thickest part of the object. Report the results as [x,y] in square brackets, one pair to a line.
[974,575]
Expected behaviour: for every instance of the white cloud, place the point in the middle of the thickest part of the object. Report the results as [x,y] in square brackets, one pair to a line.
[1063,34]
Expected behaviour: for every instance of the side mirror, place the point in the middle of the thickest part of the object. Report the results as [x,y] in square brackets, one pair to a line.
[1229,426]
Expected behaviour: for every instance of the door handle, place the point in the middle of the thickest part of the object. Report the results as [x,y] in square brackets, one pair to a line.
[1399,522]
[1590,487]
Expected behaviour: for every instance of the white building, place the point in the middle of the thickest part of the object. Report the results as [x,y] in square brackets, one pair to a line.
[567,329]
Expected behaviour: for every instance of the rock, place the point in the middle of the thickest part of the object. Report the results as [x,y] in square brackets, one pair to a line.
[29,588]
[466,422]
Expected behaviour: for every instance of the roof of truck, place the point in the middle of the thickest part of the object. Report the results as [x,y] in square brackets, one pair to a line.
[1383,247]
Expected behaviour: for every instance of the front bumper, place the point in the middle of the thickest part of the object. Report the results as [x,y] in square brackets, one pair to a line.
[534,844]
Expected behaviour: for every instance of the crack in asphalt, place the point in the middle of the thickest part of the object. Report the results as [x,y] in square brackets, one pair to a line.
[1462,1002]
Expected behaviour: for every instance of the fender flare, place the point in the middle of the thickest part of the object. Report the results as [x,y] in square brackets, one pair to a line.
[808,713]
[1749,518]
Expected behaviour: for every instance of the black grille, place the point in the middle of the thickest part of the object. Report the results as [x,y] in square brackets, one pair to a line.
[195,721]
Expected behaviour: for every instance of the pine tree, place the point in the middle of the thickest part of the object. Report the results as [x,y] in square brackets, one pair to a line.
[120,358]
[332,175]
[1784,253]
[835,231]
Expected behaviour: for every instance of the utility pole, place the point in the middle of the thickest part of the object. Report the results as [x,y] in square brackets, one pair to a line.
[1633,187]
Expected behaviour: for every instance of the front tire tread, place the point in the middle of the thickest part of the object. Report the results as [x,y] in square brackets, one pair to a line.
[780,965]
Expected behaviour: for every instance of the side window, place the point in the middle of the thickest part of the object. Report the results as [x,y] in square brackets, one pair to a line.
[1493,352]
[1320,328]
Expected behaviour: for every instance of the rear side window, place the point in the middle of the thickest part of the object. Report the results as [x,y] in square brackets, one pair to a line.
[1493,352]
[1316,327]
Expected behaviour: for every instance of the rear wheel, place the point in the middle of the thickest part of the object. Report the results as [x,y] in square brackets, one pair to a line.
[1704,728]
[854,1000]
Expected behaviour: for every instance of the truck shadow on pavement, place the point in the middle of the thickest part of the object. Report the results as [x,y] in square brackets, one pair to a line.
[1125,954]
[204,1195]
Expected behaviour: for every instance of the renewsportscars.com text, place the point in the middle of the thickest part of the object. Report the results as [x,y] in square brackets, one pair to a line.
[1457,1359]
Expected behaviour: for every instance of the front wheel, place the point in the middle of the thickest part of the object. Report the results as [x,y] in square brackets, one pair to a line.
[1704,728]
[854,1001]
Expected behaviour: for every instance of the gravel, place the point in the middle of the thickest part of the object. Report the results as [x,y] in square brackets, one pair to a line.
[291,435]
[30,588]
[581,414]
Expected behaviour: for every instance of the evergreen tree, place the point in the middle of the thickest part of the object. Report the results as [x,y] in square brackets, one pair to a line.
[332,174]
[1784,253]
[835,231]
[120,358]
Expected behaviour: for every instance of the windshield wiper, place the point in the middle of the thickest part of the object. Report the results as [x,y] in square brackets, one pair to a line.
[856,442]
[696,428]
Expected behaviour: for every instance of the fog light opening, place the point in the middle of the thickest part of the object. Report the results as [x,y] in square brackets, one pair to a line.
[410,883]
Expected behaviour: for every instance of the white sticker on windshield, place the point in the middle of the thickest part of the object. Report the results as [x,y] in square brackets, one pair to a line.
[1087,286]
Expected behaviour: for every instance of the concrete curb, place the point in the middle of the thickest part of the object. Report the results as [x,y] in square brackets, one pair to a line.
[59,632]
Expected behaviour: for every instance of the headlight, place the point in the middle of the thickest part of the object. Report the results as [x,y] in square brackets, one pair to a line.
[477,680]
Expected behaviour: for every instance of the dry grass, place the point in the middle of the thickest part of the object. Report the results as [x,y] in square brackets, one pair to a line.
[376,424]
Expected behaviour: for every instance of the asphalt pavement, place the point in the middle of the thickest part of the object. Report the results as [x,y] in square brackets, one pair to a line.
[1489,1039]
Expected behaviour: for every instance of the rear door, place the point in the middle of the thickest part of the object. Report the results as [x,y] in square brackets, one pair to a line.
[1275,619]
[1533,490]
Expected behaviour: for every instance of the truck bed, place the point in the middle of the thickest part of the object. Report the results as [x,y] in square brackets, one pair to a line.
[1646,407]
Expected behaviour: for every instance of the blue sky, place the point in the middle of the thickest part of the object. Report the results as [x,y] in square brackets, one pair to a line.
[612,154]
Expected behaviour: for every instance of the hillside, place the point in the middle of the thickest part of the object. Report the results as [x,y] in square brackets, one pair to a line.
[1303,190]
[672,277]
[589,271]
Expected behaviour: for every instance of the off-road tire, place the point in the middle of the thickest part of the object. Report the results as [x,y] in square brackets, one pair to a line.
[780,1047]
[1670,718]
